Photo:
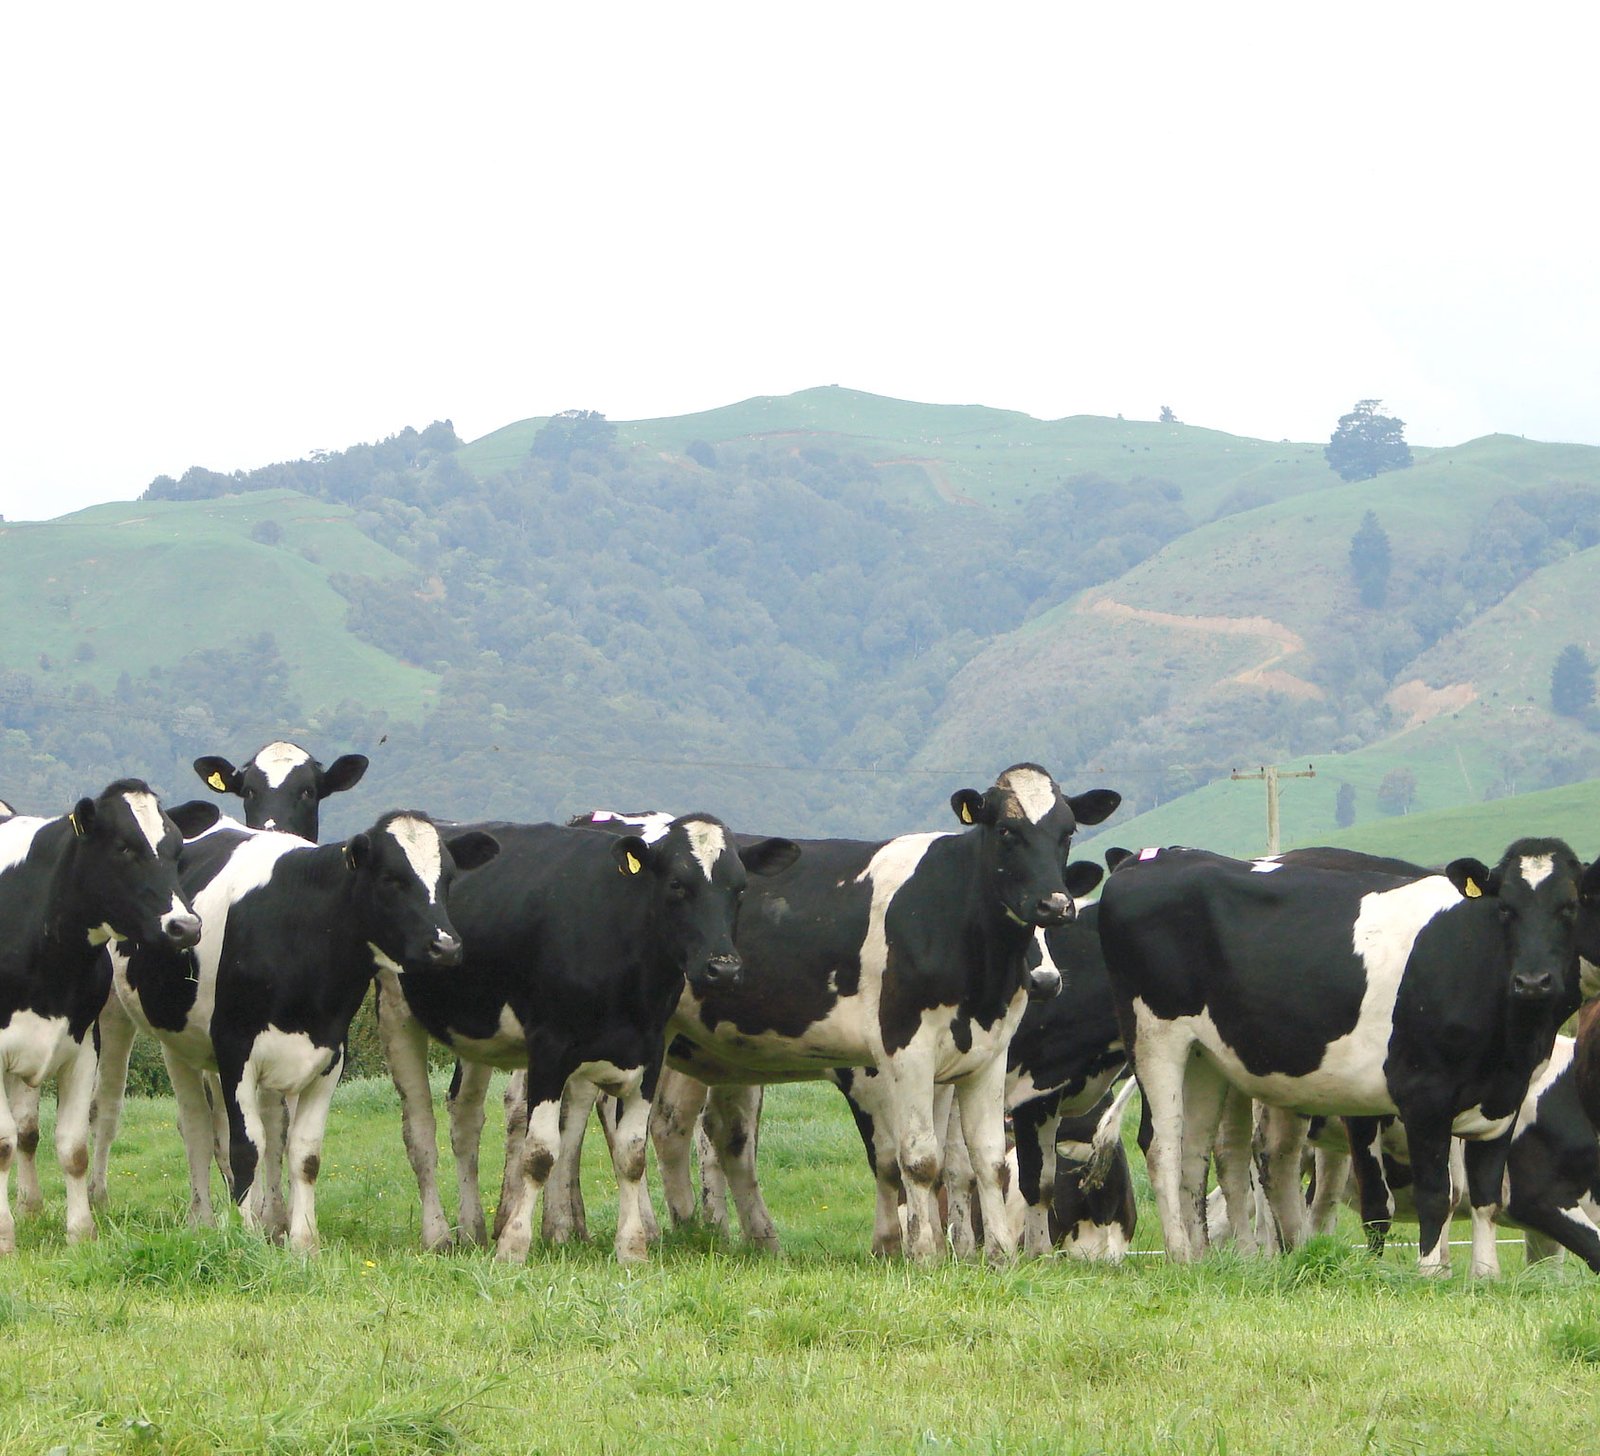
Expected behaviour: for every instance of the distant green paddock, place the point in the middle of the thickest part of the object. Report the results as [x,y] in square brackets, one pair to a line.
[157,1339]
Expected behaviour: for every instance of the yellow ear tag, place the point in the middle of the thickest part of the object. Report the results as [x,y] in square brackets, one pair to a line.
[966,814]
[72,819]
[1473,892]
[635,864]
[217,782]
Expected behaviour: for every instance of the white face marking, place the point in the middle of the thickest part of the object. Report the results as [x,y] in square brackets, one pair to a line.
[420,841]
[277,760]
[649,827]
[1537,868]
[1036,795]
[147,814]
[706,843]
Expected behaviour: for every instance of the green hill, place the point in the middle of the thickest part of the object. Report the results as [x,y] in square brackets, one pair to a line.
[965,453]
[124,588]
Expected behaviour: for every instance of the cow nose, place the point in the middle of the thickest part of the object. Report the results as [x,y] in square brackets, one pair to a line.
[445,950]
[1057,909]
[1532,983]
[1044,985]
[724,970]
[181,931]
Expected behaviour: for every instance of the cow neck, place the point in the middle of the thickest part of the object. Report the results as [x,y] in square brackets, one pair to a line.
[996,945]
[321,895]
[67,924]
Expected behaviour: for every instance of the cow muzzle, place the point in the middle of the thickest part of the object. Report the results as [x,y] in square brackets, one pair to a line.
[445,951]
[722,970]
[181,932]
[1057,909]
[1533,985]
[1044,984]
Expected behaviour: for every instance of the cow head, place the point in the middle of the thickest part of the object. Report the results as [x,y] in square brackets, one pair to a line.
[1537,892]
[695,877]
[125,860]
[403,869]
[1026,824]
[283,786]
[1042,976]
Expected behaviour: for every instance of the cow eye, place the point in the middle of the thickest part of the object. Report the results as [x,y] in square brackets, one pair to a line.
[1508,913]
[248,794]
[126,850]
[1008,835]
[305,793]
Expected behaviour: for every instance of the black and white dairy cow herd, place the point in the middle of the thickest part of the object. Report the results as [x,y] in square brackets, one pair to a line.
[658,965]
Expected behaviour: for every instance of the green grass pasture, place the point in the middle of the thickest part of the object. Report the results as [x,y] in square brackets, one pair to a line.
[159,1339]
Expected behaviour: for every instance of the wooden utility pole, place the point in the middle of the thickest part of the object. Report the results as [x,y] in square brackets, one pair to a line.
[1271,773]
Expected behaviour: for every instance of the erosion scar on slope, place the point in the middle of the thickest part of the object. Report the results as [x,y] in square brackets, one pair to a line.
[1265,674]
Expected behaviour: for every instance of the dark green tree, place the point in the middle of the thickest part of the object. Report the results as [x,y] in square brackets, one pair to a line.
[1344,806]
[1167,416]
[1367,443]
[572,430]
[1572,681]
[1369,560]
[1398,791]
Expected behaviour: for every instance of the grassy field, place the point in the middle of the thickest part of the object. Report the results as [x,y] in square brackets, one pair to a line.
[157,1339]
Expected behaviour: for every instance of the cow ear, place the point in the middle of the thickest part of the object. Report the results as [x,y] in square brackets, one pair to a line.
[218,773]
[770,856]
[1094,806]
[632,854]
[971,807]
[1472,877]
[343,773]
[473,849]
[195,817]
[1082,877]
[82,817]
[1589,884]
[357,851]
[1115,856]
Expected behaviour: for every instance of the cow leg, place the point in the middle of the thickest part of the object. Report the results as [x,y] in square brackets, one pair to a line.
[111,1087]
[628,1146]
[74,1097]
[1204,1090]
[241,1097]
[563,1217]
[405,1048]
[958,1176]
[221,1135]
[1233,1154]
[194,1123]
[541,1145]
[732,1122]
[1486,1176]
[679,1101]
[1161,1053]
[516,1115]
[304,1153]
[982,1100]
[1331,1178]
[610,1121]
[1283,1139]
[863,1090]
[469,1090]
[1035,1124]
[1551,1229]
[713,1183]
[267,1196]
[25,1108]
[1374,1196]
[8,1153]
[1430,1167]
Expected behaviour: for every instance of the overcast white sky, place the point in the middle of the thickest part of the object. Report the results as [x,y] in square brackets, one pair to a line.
[239,233]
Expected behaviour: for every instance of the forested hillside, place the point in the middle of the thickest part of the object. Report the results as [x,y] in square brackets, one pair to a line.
[820,613]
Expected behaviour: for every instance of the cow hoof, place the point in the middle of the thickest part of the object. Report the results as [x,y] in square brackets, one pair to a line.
[82,1233]
[635,1251]
[30,1204]
[512,1250]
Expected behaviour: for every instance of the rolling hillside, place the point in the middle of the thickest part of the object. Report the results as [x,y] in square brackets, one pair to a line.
[821,613]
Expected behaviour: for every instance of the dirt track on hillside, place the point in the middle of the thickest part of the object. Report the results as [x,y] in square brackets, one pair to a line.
[1265,674]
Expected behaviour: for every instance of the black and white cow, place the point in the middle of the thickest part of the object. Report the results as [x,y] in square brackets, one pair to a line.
[1093,1213]
[571,972]
[909,958]
[282,786]
[108,871]
[294,934]
[1341,992]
